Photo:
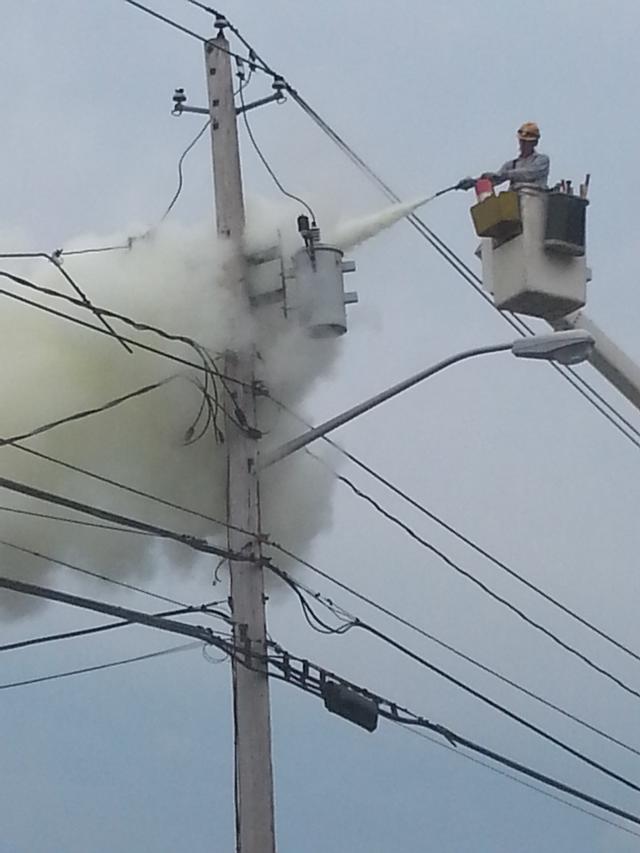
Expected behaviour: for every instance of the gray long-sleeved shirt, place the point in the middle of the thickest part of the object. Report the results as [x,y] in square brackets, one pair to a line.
[533,169]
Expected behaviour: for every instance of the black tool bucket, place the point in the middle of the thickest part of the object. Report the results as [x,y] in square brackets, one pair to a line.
[565,229]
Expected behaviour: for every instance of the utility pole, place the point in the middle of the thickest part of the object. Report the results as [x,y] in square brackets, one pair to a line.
[251,713]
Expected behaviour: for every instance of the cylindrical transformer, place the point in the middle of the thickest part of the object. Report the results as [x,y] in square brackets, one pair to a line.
[320,293]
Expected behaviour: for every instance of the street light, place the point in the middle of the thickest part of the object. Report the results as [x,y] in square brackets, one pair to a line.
[568,347]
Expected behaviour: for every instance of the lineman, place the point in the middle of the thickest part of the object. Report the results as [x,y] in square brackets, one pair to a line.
[530,167]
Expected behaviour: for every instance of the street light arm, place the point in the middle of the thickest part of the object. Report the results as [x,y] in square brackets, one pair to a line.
[323,429]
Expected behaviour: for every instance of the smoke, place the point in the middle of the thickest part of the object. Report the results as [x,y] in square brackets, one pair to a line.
[175,280]
[353,232]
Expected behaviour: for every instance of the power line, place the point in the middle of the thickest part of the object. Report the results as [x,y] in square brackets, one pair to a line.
[204,368]
[488,591]
[266,164]
[512,778]
[48,558]
[349,621]
[311,678]
[27,682]
[83,297]
[187,539]
[92,250]
[76,521]
[98,629]
[135,324]
[391,711]
[481,585]
[140,492]
[181,160]
[77,416]
[166,20]
[482,551]
[405,650]
[126,614]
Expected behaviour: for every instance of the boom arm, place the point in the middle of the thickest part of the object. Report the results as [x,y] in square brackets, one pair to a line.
[607,358]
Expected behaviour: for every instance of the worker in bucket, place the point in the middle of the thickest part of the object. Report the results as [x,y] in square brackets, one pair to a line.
[530,167]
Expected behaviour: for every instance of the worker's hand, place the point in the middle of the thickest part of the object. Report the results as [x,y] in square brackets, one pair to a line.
[466,184]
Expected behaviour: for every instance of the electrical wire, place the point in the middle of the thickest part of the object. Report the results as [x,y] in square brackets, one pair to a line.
[48,558]
[482,551]
[431,515]
[488,591]
[166,20]
[98,629]
[83,297]
[136,237]
[28,682]
[178,191]
[348,619]
[76,521]
[355,622]
[454,751]
[422,632]
[77,416]
[393,712]
[131,490]
[266,164]
[135,343]
[135,324]
[194,542]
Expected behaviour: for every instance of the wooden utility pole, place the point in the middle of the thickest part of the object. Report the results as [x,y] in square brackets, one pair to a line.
[252,724]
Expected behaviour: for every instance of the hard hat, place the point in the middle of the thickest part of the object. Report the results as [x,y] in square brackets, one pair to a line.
[529,131]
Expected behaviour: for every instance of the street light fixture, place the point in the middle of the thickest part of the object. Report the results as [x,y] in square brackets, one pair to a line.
[567,347]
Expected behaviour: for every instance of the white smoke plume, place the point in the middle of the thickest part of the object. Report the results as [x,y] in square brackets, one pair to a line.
[174,280]
[351,233]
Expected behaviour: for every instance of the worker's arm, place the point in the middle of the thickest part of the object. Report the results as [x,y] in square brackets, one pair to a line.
[504,174]
[536,172]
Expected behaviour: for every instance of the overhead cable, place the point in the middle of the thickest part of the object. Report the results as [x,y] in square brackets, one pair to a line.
[449,528]
[204,368]
[348,621]
[83,297]
[194,542]
[309,683]
[77,416]
[480,550]
[510,776]
[311,678]
[28,682]
[165,20]
[126,614]
[97,629]
[488,591]
[48,558]
[502,709]
[135,324]
[266,163]
[131,489]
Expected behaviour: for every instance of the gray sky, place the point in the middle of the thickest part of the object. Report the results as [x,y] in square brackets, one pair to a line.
[139,758]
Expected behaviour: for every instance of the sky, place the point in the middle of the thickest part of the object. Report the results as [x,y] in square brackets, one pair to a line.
[140,757]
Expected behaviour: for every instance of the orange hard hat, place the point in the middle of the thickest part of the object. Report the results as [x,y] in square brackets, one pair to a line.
[529,131]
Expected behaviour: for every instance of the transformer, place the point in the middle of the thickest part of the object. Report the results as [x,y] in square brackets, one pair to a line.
[318,294]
